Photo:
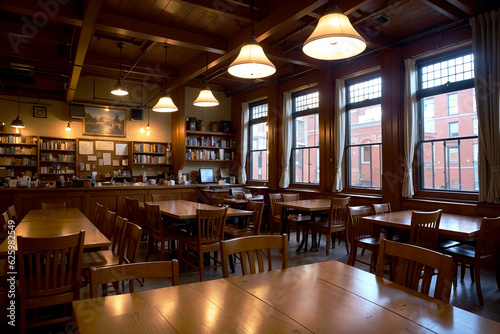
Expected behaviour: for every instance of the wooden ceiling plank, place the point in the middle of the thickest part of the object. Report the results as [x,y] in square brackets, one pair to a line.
[225,10]
[46,35]
[68,13]
[158,33]
[470,7]
[445,8]
[91,12]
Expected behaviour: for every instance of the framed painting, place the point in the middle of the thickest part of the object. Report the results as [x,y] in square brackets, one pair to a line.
[39,112]
[101,121]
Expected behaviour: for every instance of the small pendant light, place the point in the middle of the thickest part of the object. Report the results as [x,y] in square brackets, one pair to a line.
[252,62]
[120,89]
[165,103]
[68,128]
[206,98]
[18,123]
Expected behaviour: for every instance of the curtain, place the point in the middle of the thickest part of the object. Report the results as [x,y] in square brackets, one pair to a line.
[486,48]
[339,135]
[242,174]
[286,136]
[410,125]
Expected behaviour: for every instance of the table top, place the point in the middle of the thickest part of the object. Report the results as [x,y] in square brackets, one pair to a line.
[318,204]
[314,298]
[74,221]
[456,227]
[180,209]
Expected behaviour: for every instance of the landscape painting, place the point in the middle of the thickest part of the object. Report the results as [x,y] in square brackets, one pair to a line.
[100,121]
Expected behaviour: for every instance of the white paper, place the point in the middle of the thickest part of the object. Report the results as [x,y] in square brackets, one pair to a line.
[124,162]
[116,163]
[121,149]
[87,167]
[101,145]
[91,158]
[106,157]
[85,147]
[101,162]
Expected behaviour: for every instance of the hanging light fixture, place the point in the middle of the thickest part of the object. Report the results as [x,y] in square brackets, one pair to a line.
[68,128]
[206,98]
[334,37]
[18,123]
[147,127]
[252,62]
[120,89]
[165,104]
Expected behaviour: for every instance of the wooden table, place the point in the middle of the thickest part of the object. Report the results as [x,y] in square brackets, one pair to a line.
[182,210]
[455,227]
[317,298]
[49,223]
[304,206]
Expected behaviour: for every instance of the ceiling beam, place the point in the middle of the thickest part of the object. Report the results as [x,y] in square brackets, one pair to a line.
[139,29]
[69,13]
[91,11]
[470,7]
[224,10]
[445,8]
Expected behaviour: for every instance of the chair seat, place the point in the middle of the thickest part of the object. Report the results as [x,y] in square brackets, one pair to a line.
[192,242]
[239,232]
[462,250]
[299,218]
[369,241]
[324,226]
[99,259]
[444,244]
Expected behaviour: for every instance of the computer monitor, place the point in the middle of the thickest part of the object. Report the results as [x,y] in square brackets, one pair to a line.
[207,175]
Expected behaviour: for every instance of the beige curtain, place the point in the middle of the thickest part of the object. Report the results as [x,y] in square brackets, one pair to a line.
[286,136]
[486,49]
[242,174]
[339,135]
[410,125]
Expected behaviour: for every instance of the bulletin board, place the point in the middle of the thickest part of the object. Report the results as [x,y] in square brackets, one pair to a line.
[102,156]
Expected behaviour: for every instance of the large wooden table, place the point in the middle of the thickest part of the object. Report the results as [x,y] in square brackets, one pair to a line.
[455,227]
[49,223]
[327,297]
[182,210]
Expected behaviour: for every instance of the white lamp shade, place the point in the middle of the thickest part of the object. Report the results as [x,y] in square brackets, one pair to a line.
[251,63]
[165,104]
[206,99]
[119,89]
[334,38]
[68,128]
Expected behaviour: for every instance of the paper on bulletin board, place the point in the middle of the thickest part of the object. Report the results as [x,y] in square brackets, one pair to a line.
[101,145]
[121,149]
[106,157]
[85,147]
[116,163]
[101,162]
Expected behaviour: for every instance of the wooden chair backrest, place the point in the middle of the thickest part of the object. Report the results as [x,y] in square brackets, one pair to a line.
[134,211]
[108,223]
[210,225]
[4,223]
[424,228]
[488,239]
[290,197]
[98,216]
[339,208]
[13,214]
[153,218]
[53,205]
[117,233]
[413,267]
[358,228]
[161,197]
[131,242]
[49,267]
[132,271]
[255,221]
[217,201]
[380,208]
[251,251]
[273,198]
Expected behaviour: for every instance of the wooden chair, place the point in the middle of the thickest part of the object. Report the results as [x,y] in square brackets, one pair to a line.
[98,216]
[335,222]
[217,201]
[295,222]
[129,249]
[49,274]
[361,235]
[108,222]
[413,267]
[253,223]
[210,230]
[380,208]
[134,212]
[251,250]
[4,223]
[53,205]
[160,197]
[161,232]
[424,228]
[132,271]
[13,214]
[487,244]
[275,220]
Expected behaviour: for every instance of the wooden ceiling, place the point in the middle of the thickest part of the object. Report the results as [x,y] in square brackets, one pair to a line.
[47,46]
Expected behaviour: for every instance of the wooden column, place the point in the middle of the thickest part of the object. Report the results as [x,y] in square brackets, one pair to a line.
[326,137]
[274,120]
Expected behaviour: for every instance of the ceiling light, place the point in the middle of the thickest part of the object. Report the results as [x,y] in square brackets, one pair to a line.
[206,98]
[165,104]
[334,38]
[252,62]
[120,89]
[68,128]
[18,123]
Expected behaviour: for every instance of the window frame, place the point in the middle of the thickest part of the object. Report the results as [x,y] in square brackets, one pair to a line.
[254,121]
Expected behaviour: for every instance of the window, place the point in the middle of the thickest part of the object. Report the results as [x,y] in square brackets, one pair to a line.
[364,132]
[446,155]
[258,141]
[305,145]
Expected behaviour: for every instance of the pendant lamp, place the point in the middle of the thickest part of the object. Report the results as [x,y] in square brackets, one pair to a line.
[165,104]
[18,123]
[334,38]
[120,89]
[252,62]
[206,98]
[68,128]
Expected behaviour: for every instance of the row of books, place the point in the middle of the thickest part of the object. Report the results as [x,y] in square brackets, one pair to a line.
[209,142]
[150,159]
[202,154]
[11,139]
[44,156]
[53,144]
[18,150]
[11,161]
[56,170]
[152,148]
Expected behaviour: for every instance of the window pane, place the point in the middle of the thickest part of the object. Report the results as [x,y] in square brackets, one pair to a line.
[306,131]
[259,136]
[365,90]
[366,126]
[451,70]
[306,101]
[258,165]
[452,104]
[365,166]
[306,165]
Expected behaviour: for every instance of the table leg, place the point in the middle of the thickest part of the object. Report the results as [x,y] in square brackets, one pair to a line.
[284,220]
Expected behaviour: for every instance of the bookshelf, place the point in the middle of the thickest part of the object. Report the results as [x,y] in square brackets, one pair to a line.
[57,157]
[18,154]
[209,146]
[151,158]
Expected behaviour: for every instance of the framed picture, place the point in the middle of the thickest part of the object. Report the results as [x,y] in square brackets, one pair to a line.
[39,112]
[101,121]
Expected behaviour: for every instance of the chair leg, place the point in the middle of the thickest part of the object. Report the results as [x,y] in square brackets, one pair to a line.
[162,250]
[149,246]
[478,286]
[344,234]
[462,272]
[455,274]
[200,265]
[352,255]
[328,244]
[373,261]
[471,269]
